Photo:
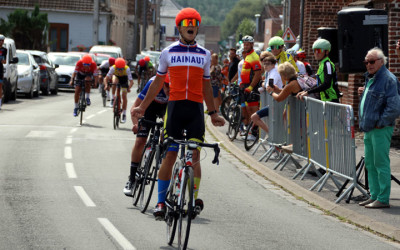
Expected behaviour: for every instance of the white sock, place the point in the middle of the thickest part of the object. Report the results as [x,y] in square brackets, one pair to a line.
[87,95]
[0,101]
[108,93]
[124,112]
[76,105]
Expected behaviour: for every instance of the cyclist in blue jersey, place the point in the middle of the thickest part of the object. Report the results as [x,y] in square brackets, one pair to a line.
[156,109]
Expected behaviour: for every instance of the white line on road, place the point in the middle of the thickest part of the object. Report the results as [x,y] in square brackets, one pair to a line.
[84,196]
[67,153]
[102,111]
[69,167]
[73,130]
[90,117]
[125,244]
[68,140]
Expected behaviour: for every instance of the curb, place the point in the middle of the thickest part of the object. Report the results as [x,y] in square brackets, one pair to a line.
[298,191]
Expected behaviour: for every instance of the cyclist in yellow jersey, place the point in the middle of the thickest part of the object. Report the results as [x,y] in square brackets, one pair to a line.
[277,44]
[120,74]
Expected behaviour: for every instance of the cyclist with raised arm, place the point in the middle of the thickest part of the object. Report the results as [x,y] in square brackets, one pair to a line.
[156,109]
[86,71]
[120,75]
[188,65]
[104,68]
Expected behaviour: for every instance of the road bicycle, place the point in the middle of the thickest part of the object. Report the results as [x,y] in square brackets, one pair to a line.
[117,108]
[231,89]
[234,115]
[82,100]
[250,142]
[180,203]
[146,175]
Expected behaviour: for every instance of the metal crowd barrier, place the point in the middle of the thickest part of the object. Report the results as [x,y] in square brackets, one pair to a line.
[277,125]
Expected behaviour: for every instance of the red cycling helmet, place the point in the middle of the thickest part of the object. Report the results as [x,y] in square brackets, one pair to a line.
[111,61]
[142,62]
[120,63]
[187,13]
[86,59]
[301,53]
[147,58]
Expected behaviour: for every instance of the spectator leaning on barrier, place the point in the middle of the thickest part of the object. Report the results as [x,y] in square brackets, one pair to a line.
[326,73]
[379,107]
[288,74]
[277,45]
[271,74]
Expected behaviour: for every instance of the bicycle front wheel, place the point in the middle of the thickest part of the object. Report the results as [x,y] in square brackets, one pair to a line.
[250,138]
[186,208]
[149,179]
[225,106]
[140,173]
[81,106]
[171,217]
[116,114]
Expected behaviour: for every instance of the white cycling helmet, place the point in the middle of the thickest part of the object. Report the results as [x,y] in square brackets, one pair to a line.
[2,37]
[249,39]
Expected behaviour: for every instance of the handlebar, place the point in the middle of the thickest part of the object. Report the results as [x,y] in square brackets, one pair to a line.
[157,124]
[193,145]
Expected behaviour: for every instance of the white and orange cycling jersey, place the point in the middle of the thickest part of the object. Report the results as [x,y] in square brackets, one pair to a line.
[188,66]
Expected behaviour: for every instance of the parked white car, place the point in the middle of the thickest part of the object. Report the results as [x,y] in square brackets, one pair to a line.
[66,63]
[28,74]
[10,78]
[113,51]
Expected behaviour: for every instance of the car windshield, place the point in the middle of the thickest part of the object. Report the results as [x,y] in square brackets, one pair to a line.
[112,54]
[100,59]
[23,59]
[67,60]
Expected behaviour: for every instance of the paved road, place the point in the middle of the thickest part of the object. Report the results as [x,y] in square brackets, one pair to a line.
[61,188]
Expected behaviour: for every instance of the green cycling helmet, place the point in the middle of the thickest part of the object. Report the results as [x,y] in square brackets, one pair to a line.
[322,44]
[276,41]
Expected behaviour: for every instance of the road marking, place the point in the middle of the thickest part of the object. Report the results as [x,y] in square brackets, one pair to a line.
[90,117]
[68,140]
[125,244]
[42,134]
[84,196]
[73,130]
[67,153]
[102,111]
[69,167]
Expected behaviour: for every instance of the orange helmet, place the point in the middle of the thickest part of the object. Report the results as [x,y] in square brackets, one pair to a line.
[147,58]
[86,59]
[120,63]
[187,13]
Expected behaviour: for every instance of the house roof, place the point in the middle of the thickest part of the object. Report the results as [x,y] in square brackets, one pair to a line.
[70,5]
[169,8]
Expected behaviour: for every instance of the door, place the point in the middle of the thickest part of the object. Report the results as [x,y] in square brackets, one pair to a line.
[58,37]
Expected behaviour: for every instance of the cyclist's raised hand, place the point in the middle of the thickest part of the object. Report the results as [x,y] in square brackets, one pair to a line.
[217,120]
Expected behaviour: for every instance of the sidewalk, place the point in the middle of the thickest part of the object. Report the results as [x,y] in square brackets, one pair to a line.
[383,221]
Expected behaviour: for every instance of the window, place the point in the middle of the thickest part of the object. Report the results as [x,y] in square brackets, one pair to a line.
[163,28]
[176,31]
[58,37]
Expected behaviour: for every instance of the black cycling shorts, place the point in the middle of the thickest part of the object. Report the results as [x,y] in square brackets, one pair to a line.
[184,114]
[152,112]
[252,98]
[81,77]
[123,81]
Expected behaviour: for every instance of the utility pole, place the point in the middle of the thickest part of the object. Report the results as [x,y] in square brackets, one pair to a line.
[95,38]
[144,26]
[135,30]
[157,35]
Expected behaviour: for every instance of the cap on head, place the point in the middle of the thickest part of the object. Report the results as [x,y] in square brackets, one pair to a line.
[276,41]
[322,44]
[249,39]
[111,61]
[187,13]
[120,63]
[86,59]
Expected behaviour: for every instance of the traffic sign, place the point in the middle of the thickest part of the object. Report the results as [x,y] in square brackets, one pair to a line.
[288,36]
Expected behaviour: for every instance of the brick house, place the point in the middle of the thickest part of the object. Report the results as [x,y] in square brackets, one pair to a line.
[323,13]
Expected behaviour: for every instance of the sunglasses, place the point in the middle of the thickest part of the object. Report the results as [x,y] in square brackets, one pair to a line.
[275,47]
[187,22]
[86,64]
[318,51]
[372,62]
[120,69]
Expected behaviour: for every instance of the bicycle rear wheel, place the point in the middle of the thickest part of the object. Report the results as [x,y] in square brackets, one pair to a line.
[171,217]
[149,179]
[234,121]
[249,142]
[116,114]
[186,208]
[103,95]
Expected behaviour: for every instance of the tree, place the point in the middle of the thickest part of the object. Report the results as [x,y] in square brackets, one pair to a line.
[28,32]
[242,9]
[246,27]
